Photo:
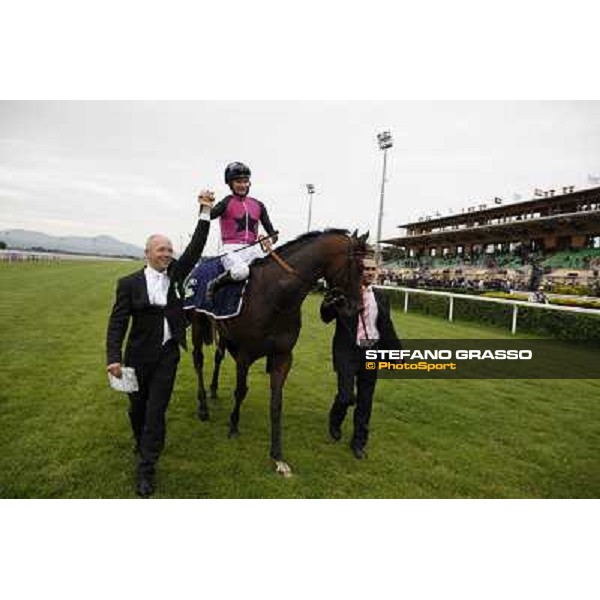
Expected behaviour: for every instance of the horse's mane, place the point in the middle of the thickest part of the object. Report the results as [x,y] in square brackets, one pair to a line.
[310,235]
[301,240]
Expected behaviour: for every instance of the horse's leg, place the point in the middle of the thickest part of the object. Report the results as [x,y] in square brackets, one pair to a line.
[219,356]
[202,411]
[197,341]
[241,389]
[280,367]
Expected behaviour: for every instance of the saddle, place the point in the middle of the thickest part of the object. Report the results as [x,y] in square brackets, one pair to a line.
[228,300]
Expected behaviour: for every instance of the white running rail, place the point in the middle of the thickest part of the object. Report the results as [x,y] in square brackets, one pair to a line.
[514,303]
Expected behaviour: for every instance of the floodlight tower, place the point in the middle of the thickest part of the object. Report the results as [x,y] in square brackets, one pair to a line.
[310,188]
[384,139]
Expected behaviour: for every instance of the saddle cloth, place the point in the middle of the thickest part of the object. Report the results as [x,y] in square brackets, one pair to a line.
[228,299]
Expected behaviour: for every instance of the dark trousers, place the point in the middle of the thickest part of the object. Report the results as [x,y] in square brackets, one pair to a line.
[148,406]
[365,381]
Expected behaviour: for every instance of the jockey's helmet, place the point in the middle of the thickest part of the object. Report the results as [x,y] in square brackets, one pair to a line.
[236,170]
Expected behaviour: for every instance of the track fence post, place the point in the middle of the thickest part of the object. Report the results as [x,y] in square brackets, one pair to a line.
[513,328]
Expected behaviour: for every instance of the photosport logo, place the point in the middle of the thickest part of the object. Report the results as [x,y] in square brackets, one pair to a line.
[485,359]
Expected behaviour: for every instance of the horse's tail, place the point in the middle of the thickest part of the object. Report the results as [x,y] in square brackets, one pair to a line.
[202,329]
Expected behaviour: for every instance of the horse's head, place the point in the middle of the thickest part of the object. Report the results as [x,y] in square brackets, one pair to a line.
[344,270]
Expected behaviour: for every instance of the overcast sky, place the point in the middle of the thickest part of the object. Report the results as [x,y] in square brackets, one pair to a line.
[128,169]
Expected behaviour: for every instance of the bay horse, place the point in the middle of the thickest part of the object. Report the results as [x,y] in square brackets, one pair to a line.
[270,319]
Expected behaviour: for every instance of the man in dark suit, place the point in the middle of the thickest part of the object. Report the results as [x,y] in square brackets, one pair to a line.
[153,299]
[372,328]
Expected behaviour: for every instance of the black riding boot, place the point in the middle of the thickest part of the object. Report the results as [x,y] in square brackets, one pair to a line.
[217,283]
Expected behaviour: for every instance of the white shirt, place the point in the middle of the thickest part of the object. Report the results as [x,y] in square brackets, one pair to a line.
[158,283]
[368,317]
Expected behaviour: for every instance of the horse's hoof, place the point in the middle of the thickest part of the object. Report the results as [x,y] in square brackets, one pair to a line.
[213,394]
[233,433]
[283,469]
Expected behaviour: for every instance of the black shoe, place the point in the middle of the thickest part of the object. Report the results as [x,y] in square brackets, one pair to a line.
[359,452]
[335,431]
[202,413]
[217,283]
[210,291]
[145,486]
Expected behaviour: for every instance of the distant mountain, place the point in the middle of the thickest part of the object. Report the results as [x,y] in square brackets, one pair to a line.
[102,245]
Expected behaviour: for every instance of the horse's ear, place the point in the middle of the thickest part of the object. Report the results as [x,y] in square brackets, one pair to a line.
[354,234]
[363,238]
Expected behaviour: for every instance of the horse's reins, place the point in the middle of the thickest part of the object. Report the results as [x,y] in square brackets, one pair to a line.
[284,265]
[289,269]
[280,261]
[293,271]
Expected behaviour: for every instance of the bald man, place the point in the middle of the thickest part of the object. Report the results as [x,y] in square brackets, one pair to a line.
[153,299]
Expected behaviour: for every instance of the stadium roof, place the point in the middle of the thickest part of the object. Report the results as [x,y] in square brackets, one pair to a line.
[583,223]
[515,208]
[572,213]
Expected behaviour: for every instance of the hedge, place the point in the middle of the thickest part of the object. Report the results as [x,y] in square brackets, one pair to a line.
[549,323]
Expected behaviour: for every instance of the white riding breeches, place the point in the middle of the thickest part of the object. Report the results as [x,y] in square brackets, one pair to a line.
[237,263]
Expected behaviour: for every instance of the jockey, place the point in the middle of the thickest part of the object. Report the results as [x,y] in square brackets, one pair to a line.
[239,217]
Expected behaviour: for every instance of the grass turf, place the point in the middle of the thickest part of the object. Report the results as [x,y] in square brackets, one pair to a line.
[65,434]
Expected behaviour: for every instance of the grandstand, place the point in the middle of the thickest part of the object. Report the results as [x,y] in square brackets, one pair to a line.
[552,240]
